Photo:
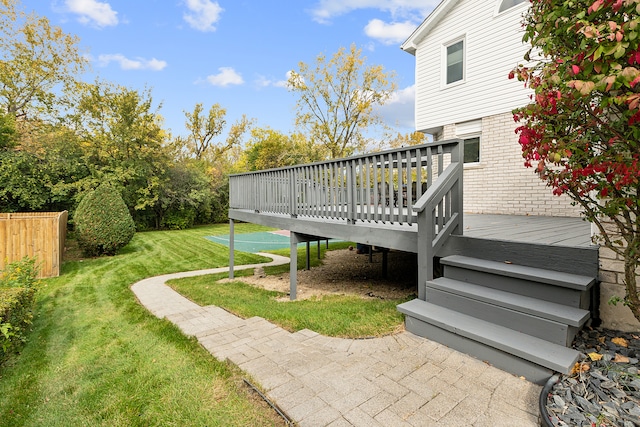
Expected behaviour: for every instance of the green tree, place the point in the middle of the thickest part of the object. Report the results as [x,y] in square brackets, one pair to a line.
[42,170]
[123,142]
[22,182]
[38,60]
[268,148]
[185,198]
[582,132]
[8,134]
[337,99]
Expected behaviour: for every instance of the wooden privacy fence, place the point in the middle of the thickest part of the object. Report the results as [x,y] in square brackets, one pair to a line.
[34,234]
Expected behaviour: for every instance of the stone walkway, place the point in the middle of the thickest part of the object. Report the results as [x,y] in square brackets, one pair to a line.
[398,380]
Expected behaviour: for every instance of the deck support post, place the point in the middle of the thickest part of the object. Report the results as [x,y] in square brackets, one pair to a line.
[231,244]
[293,266]
[318,249]
[425,253]
[385,253]
[308,256]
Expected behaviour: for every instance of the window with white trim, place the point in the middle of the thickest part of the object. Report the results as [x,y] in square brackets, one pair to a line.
[454,57]
[508,4]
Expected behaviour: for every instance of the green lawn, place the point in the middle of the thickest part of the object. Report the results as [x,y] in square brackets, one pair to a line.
[97,358]
[332,315]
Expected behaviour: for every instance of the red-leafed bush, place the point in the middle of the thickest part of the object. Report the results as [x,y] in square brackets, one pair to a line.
[581,133]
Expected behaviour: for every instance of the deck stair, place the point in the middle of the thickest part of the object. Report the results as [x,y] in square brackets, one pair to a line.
[518,318]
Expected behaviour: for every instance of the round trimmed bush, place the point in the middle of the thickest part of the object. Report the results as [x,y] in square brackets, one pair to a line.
[103,222]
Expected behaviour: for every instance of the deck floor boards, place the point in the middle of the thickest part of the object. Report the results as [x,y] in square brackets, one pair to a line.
[560,231]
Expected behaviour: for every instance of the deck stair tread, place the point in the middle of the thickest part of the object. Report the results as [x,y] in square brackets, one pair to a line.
[536,307]
[540,275]
[527,347]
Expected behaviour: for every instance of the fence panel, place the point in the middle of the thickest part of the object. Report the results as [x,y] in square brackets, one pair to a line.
[34,234]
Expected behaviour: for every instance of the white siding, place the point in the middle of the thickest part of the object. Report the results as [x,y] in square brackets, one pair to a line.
[493,48]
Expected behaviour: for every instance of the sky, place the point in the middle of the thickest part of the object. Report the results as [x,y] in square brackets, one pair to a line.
[237,52]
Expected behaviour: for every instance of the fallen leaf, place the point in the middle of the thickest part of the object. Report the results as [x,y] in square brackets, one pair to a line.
[601,340]
[508,262]
[620,341]
[594,356]
[579,367]
[620,359]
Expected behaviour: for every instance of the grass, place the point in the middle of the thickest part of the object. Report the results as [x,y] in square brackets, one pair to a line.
[331,315]
[96,357]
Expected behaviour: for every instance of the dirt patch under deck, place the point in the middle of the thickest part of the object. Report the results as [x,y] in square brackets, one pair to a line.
[346,272]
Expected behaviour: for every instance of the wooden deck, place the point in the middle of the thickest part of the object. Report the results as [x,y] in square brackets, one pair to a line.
[489,285]
[544,230]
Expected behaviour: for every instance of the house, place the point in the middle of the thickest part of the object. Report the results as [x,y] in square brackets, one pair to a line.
[464,52]
[515,288]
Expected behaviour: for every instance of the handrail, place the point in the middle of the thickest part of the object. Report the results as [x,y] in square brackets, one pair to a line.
[439,216]
[411,185]
[382,186]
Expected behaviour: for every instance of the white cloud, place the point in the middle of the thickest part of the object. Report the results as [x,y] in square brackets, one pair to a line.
[203,14]
[399,9]
[227,76]
[93,12]
[392,33]
[400,108]
[132,64]
[263,81]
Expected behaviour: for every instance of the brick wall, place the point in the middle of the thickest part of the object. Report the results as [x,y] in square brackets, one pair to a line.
[500,184]
[611,276]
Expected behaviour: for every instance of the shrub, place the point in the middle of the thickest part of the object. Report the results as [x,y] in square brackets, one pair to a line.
[18,286]
[179,219]
[103,222]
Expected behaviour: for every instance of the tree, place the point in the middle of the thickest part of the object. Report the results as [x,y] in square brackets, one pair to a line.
[37,59]
[7,131]
[269,149]
[203,130]
[184,197]
[43,171]
[337,99]
[123,142]
[413,138]
[582,133]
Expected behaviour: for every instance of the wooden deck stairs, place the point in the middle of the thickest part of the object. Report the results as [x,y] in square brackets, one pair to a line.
[518,318]
[515,315]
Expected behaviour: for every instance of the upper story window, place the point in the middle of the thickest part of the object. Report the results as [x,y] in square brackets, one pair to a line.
[508,4]
[455,62]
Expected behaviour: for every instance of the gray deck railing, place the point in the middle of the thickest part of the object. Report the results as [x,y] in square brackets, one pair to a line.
[419,184]
[383,186]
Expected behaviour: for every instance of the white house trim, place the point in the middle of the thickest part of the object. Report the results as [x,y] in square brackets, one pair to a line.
[411,44]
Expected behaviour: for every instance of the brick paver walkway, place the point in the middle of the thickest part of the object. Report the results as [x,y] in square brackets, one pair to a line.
[398,380]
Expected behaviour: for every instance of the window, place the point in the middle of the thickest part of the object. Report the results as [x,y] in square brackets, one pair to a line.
[508,4]
[472,150]
[455,62]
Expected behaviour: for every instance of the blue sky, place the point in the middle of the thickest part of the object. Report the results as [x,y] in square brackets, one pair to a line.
[236,52]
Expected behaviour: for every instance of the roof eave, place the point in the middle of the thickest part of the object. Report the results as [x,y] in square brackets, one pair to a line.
[411,44]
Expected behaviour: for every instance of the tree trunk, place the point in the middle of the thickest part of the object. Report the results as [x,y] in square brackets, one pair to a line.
[632,299]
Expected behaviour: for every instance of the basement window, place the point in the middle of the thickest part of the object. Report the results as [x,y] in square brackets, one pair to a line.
[472,150]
